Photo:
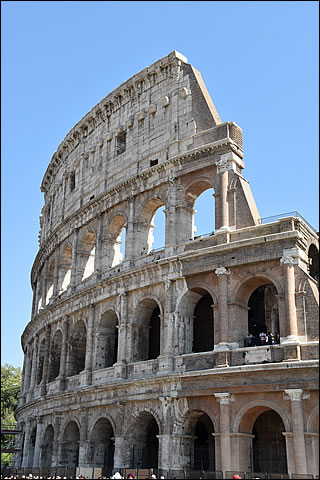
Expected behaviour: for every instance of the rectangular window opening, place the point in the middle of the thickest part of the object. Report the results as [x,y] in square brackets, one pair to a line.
[153,162]
[72,181]
[121,143]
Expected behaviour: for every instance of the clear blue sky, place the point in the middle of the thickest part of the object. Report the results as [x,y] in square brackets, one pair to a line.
[259,61]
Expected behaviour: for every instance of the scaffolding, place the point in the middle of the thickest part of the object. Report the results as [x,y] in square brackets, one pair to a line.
[10,453]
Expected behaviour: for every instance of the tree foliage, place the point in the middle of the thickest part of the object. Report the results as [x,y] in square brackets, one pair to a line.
[10,392]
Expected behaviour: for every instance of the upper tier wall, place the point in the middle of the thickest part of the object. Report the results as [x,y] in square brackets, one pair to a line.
[148,119]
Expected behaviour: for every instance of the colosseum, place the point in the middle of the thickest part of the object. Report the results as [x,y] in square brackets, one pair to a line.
[197,358]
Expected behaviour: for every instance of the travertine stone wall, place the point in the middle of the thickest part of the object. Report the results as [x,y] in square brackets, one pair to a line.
[117,366]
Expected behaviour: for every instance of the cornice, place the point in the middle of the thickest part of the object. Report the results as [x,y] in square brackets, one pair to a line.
[123,185]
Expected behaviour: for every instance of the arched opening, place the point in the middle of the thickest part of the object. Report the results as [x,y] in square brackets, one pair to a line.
[313,260]
[46,447]
[77,349]
[203,330]
[55,355]
[107,340]
[65,269]
[204,445]
[87,254]
[204,213]
[269,446]
[147,338]
[50,280]
[198,218]
[152,212]
[70,446]
[41,357]
[154,334]
[263,316]
[113,247]
[156,238]
[102,446]
[145,443]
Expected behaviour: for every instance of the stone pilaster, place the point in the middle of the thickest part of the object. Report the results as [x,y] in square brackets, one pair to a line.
[44,285]
[288,263]
[34,364]
[118,457]
[27,435]
[123,333]
[222,274]
[83,443]
[45,372]
[130,237]
[56,443]
[98,254]
[86,377]
[170,212]
[39,435]
[224,423]
[63,358]
[73,280]
[296,397]
[56,274]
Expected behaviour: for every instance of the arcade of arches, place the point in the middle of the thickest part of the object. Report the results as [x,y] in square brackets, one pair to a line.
[202,442]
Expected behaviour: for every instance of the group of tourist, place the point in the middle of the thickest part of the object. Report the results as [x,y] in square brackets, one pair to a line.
[263,338]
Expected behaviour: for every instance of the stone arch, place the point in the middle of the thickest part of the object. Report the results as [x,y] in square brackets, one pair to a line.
[313,421]
[196,319]
[261,424]
[192,191]
[86,254]
[96,416]
[199,428]
[55,355]
[77,348]
[142,438]
[257,309]
[65,268]
[245,416]
[145,223]
[50,281]
[101,450]
[41,356]
[248,284]
[47,447]
[111,254]
[313,262]
[107,340]
[148,319]
[70,444]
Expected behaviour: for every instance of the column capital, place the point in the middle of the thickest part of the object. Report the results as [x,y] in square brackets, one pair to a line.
[228,161]
[293,256]
[295,394]
[224,398]
[289,260]
[222,271]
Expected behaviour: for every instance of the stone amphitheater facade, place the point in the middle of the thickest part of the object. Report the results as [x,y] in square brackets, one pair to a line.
[144,361]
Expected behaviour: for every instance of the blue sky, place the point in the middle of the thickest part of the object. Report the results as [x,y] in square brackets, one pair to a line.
[259,61]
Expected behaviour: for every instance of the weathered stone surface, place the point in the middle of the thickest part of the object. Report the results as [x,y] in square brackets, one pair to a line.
[142,361]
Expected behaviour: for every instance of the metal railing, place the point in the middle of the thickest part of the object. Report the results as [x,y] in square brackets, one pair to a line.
[295,214]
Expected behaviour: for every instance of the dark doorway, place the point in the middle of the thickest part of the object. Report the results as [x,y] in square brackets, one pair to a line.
[203,338]
[269,447]
[154,334]
[204,446]
[152,444]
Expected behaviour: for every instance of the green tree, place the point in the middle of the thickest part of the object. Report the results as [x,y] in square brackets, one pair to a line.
[10,392]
